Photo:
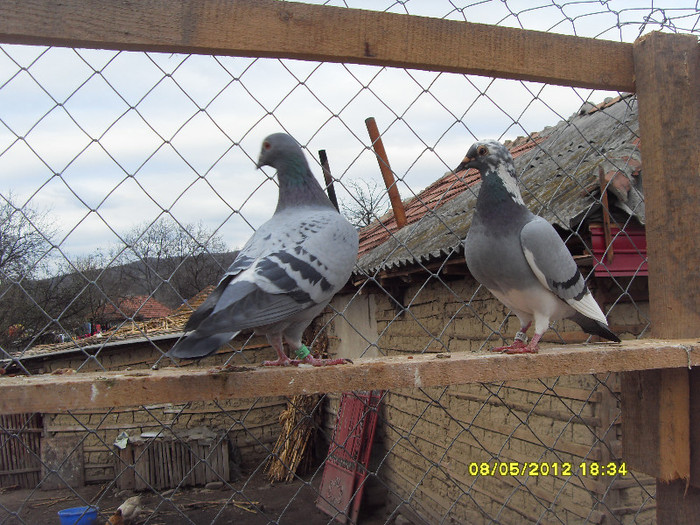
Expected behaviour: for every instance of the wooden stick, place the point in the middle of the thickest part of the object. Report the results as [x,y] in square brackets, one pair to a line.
[51,393]
[328,178]
[387,174]
[609,254]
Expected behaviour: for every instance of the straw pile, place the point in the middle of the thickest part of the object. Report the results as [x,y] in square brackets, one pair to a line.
[292,452]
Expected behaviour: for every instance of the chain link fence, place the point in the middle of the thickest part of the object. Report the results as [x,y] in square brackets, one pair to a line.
[129,182]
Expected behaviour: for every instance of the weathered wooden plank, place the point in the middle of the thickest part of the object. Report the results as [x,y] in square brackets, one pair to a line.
[657,431]
[50,393]
[323,33]
[677,503]
[655,422]
[656,405]
[668,74]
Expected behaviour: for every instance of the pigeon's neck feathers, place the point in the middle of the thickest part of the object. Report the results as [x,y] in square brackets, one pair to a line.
[499,185]
[298,186]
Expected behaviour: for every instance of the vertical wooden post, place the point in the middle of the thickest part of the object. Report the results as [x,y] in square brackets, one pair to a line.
[660,410]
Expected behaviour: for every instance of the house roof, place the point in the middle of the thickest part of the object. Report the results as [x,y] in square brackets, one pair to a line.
[137,307]
[558,170]
[160,327]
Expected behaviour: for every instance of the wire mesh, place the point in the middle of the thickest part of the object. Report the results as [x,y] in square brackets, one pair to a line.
[128,183]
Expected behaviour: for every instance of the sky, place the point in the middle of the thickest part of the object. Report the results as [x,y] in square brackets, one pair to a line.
[104,141]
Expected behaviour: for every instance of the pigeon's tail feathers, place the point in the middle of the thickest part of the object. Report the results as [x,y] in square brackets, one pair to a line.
[197,346]
[594,327]
[207,307]
[588,307]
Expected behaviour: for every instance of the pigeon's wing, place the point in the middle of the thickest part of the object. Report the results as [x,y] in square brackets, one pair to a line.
[556,270]
[301,267]
[245,258]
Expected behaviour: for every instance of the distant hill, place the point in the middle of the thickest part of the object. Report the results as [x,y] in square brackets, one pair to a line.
[35,311]
[171,280]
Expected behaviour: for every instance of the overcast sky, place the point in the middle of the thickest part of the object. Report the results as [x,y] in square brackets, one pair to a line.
[104,140]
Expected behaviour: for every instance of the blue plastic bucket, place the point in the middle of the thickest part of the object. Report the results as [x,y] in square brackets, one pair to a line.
[78,516]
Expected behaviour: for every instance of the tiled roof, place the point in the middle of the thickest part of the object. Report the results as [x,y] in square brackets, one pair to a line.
[431,198]
[138,307]
[558,169]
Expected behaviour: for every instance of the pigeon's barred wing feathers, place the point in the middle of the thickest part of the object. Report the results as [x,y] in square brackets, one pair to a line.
[246,256]
[286,273]
[554,267]
[281,271]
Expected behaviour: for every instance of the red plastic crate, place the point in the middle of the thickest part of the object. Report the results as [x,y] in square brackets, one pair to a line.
[629,251]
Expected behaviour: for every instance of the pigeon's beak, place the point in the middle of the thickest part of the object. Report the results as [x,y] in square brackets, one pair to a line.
[465,164]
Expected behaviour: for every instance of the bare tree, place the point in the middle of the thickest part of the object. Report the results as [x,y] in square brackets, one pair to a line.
[25,246]
[368,201]
[170,260]
[25,238]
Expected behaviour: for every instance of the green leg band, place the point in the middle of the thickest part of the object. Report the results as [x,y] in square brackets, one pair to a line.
[302,352]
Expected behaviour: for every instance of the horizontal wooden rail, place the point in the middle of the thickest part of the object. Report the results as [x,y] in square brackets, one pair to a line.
[50,393]
[269,28]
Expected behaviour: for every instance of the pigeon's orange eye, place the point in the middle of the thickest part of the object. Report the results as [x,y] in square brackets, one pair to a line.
[482,151]
[266,145]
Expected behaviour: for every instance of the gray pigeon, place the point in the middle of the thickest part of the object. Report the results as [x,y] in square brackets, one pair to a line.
[286,273]
[520,257]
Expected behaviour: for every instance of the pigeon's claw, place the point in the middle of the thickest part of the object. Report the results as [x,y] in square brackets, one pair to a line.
[282,361]
[510,349]
[315,361]
[531,348]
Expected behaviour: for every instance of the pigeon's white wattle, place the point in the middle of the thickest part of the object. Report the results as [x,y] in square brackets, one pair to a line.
[287,272]
[520,257]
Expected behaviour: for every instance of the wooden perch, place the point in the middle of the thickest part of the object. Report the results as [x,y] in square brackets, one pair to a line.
[319,32]
[51,393]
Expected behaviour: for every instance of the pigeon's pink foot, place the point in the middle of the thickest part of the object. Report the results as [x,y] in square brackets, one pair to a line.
[311,360]
[531,348]
[282,361]
[512,349]
[522,349]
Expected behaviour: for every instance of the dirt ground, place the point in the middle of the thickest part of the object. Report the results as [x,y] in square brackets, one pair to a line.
[252,503]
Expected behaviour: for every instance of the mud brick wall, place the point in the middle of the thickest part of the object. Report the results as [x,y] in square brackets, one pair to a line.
[430,436]
[252,425]
[437,319]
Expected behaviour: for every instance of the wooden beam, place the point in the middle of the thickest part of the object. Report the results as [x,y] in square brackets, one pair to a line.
[659,408]
[677,503]
[668,77]
[655,422]
[269,28]
[50,393]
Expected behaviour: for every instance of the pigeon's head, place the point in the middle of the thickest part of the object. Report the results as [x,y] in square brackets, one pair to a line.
[495,164]
[277,149]
[486,154]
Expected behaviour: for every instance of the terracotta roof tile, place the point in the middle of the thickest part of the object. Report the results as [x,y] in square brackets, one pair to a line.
[431,198]
[140,307]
